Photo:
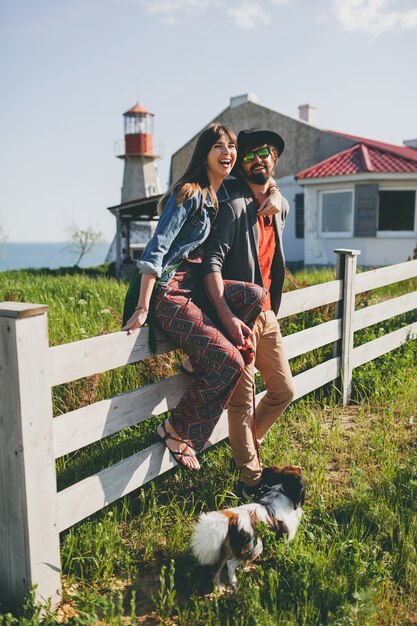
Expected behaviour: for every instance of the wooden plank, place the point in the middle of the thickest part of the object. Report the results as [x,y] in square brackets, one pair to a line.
[385,276]
[348,304]
[384,310]
[310,298]
[92,356]
[313,378]
[312,338]
[21,309]
[316,377]
[347,251]
[86,425]
[79,428]
[29,540]
[71,361]
[338,309]
[373,349]
[95,492]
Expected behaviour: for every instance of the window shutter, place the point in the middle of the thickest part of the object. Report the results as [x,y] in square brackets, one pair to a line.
[299,215]
[366,210]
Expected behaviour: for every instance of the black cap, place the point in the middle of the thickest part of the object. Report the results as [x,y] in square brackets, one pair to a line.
[251,138]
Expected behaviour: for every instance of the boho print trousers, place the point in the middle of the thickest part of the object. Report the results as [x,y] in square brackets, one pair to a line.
[217,363]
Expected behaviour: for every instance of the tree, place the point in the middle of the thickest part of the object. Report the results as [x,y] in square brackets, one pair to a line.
[82,240]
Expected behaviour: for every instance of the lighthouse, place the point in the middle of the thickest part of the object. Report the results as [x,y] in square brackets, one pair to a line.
[136,214]
[140,176]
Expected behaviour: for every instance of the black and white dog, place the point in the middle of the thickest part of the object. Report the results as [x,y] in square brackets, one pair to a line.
[228,536]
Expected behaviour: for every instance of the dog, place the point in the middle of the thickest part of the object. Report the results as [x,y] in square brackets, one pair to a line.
[228,536]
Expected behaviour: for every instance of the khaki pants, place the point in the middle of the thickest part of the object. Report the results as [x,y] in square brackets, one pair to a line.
[272,363]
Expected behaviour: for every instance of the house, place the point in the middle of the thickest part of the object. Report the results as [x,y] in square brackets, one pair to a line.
[363,198]
[307,239]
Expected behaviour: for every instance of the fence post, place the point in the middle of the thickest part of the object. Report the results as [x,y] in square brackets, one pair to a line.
[346,271]
[29,537]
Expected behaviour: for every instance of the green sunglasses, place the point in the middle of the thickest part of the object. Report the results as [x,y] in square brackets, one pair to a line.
[262,153]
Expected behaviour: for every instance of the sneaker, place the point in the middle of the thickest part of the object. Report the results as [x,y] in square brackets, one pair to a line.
[254,493]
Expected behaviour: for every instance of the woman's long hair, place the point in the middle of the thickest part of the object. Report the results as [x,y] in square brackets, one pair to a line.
[195,177]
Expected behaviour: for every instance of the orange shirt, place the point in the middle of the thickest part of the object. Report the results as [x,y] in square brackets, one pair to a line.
[266,253]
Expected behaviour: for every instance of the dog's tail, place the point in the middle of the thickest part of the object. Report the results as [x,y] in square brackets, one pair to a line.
[208,536]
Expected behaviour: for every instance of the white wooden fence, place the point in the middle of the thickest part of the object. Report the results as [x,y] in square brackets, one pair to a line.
[32,512]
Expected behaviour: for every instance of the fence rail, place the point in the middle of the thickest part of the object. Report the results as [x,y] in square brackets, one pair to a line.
[33,513]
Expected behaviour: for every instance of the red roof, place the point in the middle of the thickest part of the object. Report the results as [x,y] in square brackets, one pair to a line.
[366,156]
[389,147]
[138,108]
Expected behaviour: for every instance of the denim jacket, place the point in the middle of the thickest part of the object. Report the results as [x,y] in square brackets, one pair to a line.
[180,230]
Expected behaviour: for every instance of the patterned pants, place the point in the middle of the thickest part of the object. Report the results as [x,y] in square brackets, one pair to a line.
[216,361]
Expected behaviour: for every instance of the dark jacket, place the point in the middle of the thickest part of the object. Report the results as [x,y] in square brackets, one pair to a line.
[232,247]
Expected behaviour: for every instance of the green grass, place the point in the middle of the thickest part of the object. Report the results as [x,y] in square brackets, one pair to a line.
[354,560]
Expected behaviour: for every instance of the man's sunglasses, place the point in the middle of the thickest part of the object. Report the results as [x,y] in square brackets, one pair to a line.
[262,153]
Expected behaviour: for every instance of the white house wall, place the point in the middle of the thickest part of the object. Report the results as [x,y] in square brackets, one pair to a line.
[293,247]
[379,250]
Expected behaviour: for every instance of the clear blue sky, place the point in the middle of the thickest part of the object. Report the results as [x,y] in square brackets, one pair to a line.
[70,68]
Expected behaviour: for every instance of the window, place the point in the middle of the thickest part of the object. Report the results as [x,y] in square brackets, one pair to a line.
[336,214]
[397,211]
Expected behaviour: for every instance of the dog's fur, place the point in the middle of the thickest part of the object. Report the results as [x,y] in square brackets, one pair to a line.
[228,536]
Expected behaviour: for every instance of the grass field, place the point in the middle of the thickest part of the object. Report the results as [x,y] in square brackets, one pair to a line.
[354,560]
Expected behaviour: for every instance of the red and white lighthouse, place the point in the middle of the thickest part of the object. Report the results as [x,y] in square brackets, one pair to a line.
[141,190]
[140,177]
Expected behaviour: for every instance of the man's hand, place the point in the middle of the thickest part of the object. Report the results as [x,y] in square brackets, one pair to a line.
[236,330]
[272,204]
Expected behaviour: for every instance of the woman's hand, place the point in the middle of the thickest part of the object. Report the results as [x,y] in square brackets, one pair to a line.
[140,314]
[272,204]
[137,320]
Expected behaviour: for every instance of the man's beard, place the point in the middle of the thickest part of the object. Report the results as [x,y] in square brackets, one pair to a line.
[258,178]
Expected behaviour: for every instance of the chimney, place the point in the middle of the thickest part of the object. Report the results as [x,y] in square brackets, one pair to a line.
[307,113]
[410,143]
[236,101]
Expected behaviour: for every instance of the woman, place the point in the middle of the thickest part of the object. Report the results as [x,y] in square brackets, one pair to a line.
[170,263]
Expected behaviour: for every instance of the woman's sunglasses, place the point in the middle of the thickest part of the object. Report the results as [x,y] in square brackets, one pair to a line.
[262,153]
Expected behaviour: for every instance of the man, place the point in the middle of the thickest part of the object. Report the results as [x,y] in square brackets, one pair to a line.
[246,244]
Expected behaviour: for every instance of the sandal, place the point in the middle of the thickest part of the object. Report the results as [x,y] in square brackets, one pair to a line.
[176,453]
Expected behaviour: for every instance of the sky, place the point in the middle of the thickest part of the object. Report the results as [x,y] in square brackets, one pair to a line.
[69,69]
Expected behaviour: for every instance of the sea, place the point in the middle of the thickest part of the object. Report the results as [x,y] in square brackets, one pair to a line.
[17,256]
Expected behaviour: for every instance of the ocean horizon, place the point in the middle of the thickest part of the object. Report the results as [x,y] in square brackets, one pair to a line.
[51,255]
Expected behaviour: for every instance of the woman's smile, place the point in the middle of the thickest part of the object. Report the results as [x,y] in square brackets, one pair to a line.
[220,160]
